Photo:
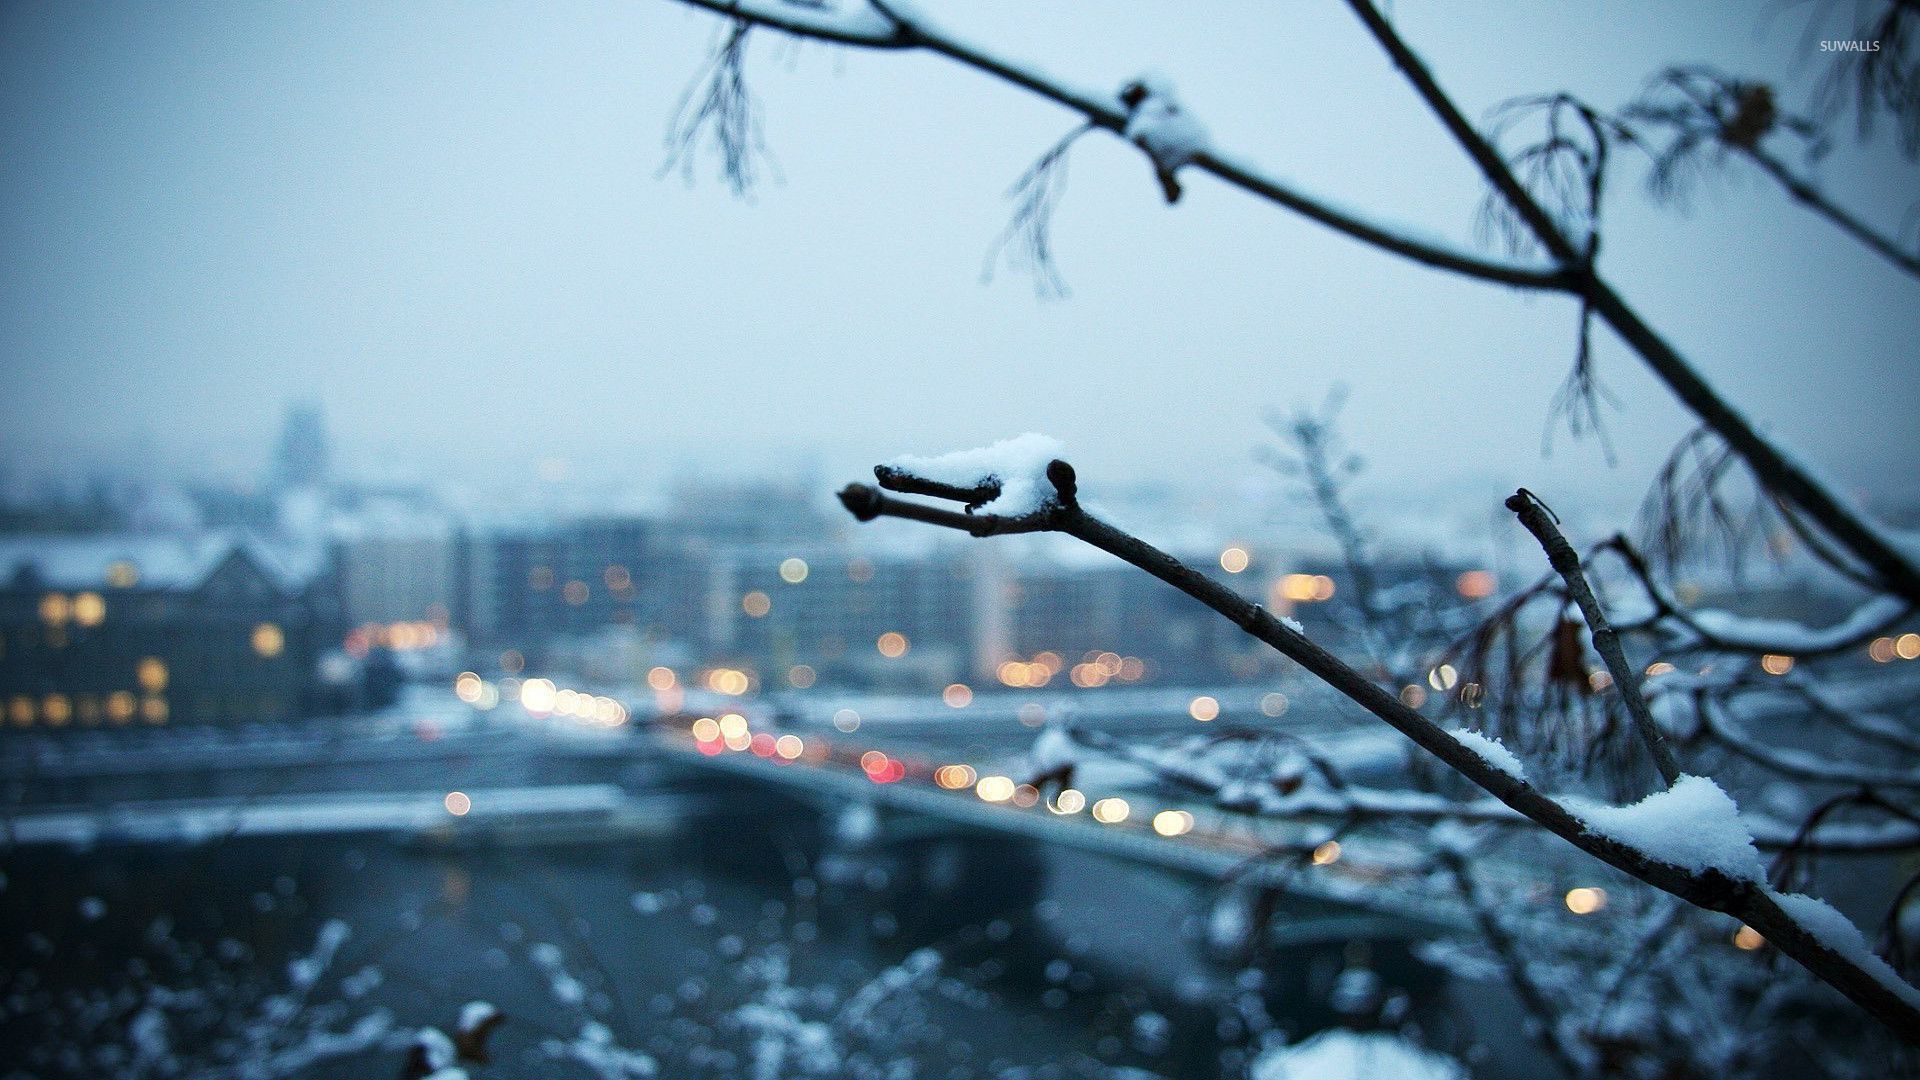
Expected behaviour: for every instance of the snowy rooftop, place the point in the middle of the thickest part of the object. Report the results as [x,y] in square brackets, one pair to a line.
[158,562]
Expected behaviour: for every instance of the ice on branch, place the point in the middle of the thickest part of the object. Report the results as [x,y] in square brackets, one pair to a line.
[1693,825]
[1158,124]
[1492,751]
[1011,474]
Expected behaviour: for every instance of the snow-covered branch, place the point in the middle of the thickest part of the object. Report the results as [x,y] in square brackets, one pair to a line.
[1165,136]
[1687,840]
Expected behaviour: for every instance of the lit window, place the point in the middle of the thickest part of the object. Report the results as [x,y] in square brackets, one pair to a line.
[154,710]
[56,709]
[123,575]
[89,609]
[55,609]
[268,640]
[152,673]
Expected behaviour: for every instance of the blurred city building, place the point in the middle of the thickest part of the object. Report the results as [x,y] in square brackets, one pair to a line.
[119,629]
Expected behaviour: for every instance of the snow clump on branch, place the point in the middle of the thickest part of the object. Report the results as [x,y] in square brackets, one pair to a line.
[1158,124]
[1492,751]
[1017,467]
[1693,825]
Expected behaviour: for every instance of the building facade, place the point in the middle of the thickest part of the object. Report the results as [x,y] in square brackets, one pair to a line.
[118,631]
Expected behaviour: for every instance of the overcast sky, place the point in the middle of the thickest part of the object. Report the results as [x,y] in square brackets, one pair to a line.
[445,222]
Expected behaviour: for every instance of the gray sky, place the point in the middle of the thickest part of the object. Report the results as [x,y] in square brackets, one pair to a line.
[444,221]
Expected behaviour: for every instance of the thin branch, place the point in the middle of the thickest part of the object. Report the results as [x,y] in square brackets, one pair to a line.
[1686,628]
[1027,241]
[1811,197]
[1711,117]
[1540,522]
[1105,111]
[718,99]
[1533,997]
[1775,469]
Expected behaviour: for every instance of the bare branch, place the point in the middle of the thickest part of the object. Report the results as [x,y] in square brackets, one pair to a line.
[719,100]
[1573,1060]
[880,27]
[1540,522]
[1774,468]
[875,25]
[1710,117]
[1027,241]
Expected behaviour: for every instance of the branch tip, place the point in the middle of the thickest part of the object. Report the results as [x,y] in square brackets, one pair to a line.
[862,501]
[1065,483]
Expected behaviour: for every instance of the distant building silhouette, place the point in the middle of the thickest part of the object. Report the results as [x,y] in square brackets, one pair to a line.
[111,630]
[300,459]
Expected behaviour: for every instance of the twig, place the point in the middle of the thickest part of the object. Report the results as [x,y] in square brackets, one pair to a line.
[1532,995]
[1540,522]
